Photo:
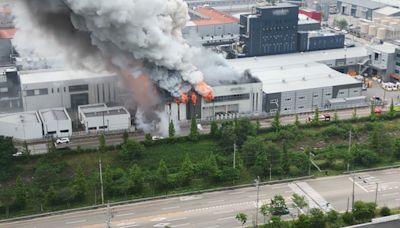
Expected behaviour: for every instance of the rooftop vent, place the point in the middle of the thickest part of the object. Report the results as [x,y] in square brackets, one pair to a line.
[304,78]
[283,80]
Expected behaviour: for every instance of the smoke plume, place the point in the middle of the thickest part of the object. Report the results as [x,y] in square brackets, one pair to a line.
[130,37]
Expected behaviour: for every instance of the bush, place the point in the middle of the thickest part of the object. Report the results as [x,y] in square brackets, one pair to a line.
[333,131]
[385,211]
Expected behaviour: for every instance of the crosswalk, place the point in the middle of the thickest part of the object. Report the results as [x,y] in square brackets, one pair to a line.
[315,200]
[369,183]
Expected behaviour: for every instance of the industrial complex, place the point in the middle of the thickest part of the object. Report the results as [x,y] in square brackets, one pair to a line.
[290,64]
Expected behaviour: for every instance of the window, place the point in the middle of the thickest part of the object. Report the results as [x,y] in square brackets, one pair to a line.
[43,91]
[397,63]
[102,127]
[30,93]
[3,90]
[273,101]
[301,98]
[376,56]
[341,93]
[328,94]
[78,88]
[300,107]
[397,71]
[315,95]
[64,131]
[52,90]
[288,99]
[92,128]
[235,97]
[58,90]
[51,133]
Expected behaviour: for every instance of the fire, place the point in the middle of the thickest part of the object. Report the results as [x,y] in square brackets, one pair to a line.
[184,98]
[205,91]
[193,98]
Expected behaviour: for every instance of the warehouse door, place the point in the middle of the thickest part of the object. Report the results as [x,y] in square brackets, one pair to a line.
[79,99]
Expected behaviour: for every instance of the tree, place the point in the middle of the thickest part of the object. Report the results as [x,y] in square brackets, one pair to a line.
[214,129]
[132,150]
[317,218]
[335,116]
[194,132]
[242,218]
[333,219]
[315,120]
[299,201]
[20,193]
[265,210]
[136,179]
[363,212]
[7,163]
[296,120]
[243,129]
[251,148]
[125,137]
[7,199]
[147,139]
[261,166]
[258,125]
[354,114]
[187,170]
[342,23]
[162,176]
[80,184]
[228,136]
[302,222]
[102,144]
[385,211]
[391,109]
[209,169]
[278,205]
[285,160]
[276,123]
[171,130]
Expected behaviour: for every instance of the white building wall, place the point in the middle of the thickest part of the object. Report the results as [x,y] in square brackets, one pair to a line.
[26,131]
[113,122]
[62,128]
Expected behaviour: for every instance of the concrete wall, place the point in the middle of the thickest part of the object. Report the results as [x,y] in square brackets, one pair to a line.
[62,128]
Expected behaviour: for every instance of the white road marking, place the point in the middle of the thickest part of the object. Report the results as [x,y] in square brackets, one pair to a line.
[126,214]
[77,221]
[355,182]
[187,198]
[235,193]
[226,218]
[185,224]
[390,194]
[126,224]
[222,212]
[161,224]
[216,201]
[169,208]
[158,219]
[176,219]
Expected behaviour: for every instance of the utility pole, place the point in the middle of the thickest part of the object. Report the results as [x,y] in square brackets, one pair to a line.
[234,155]
[101,181]
[270,172]
[376,194]
[258,192]
[348,162]
[309,163]
[352,198]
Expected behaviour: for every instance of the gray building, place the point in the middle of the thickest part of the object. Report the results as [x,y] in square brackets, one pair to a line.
[271,30]
[10,91]
[358,8]
[382,60]
[319,40]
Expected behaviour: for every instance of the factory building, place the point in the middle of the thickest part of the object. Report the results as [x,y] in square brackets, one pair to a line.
[358,8]
[212,26]
[22,126]
[99,117]
[320,40]
[382,60]
[10,91]
[270,30]
[308,24]
[69,89]
[56,122]
[387,11]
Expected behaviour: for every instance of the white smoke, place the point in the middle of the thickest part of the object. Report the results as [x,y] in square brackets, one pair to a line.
[94,33]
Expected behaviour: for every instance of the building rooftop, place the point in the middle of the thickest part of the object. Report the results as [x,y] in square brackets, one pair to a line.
[41,76]
[277,5]
[386,47]
[20,118]
[54,114]
[387,11]
[210,16]
[255,63]
[300,77]
[364,3]
[395,3]
[101,110]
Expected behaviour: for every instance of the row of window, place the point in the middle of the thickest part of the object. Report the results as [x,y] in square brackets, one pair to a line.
[235,97]
[54,132]
[45,91]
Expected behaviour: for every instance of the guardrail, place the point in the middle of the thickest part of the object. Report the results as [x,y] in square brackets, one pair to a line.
[150,199]
[372,169]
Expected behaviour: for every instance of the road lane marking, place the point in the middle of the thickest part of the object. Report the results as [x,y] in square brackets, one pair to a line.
[176,219]
[390,194]
[126,224]
[226,218]
[216,201]
[222,212]
[77,221]
[169,208]
[158,219]
[126,214]
[355,182]
[235,193]
[161,224]
[185,224]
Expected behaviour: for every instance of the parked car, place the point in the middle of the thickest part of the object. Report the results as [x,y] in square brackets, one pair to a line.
[155,137]
[322,117]
[281,211]
[63,141]
[19,153]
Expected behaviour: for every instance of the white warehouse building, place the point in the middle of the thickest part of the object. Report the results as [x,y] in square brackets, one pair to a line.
[56,122]
[100,117]
[22,126]
[69,89]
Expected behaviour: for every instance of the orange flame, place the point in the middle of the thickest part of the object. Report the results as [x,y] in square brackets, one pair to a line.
[193,98]
[205,91]
[184,98]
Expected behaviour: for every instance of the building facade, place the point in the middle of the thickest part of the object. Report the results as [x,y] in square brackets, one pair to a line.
[358,8]
[10,91]
[271,30]
[56,122]
[22,126]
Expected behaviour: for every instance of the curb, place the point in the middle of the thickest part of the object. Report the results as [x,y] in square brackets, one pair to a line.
[29,217]
[372,169]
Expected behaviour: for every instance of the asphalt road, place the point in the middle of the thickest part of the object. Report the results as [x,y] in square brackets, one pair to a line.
[218,209]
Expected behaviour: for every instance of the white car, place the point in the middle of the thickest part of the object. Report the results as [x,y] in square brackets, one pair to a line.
[62,141]
[154,138]
[19,153]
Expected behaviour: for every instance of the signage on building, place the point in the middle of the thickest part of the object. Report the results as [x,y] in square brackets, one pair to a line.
[237,89]
[280,12]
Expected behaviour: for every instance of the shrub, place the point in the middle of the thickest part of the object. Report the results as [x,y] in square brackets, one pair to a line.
[385,211]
